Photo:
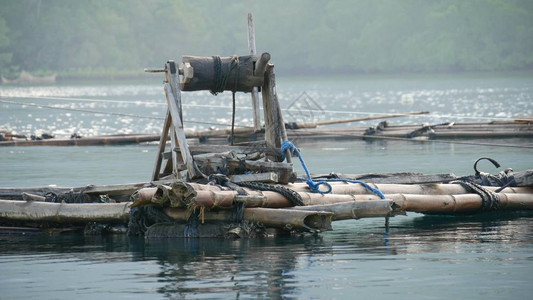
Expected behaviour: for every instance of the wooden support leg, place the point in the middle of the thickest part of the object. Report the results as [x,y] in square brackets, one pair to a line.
[275,132]
[161,150]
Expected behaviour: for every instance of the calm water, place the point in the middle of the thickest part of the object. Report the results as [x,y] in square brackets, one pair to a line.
[481,257]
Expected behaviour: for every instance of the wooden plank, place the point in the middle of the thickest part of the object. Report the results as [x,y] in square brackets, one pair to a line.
[354,209]
[161,149]
[180,134]
[174,156]
[237,149]
[255,90]
[173,81]
[275,132]
[269,177]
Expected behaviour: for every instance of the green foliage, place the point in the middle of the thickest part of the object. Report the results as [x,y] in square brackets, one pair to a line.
[360,36]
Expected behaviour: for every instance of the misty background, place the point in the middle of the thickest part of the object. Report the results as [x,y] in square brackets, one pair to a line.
[113,38]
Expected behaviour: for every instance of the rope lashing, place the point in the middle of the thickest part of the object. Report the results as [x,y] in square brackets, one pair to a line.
[237,211]
[314,186]
[291,195]
[489,199]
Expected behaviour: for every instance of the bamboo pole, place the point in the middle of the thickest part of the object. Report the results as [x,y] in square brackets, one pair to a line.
[62,212]
[422,189]
[214,197]
[351,120]
[313,221]
[354,209]
[358,189]
[465,203]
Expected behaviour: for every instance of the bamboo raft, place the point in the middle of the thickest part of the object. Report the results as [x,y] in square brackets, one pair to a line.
[250,189]
[519,128]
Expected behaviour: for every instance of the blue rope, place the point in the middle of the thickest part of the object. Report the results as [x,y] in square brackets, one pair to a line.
[368,187]
[315,186]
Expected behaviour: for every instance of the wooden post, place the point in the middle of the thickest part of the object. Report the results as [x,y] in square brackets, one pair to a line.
[255,90]
[275,132]
[172,79]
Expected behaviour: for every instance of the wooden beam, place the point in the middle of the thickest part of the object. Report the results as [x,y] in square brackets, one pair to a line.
[275,132]
[237,149]
[161,149]
[174,156]
[270,177]
[178,127]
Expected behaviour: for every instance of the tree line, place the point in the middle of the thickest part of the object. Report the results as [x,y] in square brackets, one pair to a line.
[121,37]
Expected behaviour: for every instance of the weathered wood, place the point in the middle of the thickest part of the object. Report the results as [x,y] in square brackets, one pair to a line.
[123,190]
[238,74]
[396,178]
[63,213]
[180,134]
[275,132]
[255,90]
[219,132]
[463,203]
[174,156]
[16,193]
[161,148]
[354,209]
[195,149]
[284,171]
[312,221]
[269,177]
[261,64]
[419,189]
[216,197]
[351,120]
[32,197]
[171,77]
[85,141]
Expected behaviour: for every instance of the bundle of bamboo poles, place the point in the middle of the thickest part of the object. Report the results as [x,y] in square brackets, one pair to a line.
[432,198]
[346,201]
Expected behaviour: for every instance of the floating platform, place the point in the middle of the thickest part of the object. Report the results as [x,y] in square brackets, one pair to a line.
[171,208]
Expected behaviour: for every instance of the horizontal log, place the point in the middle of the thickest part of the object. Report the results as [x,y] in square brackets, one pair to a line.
[86,141]
[196,149]
[234,74]
[422,189]
[396,178]
[11,210]
[354,209]
[312,221]
[465,203]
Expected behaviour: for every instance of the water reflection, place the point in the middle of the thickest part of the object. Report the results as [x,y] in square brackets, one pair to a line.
[356,254]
